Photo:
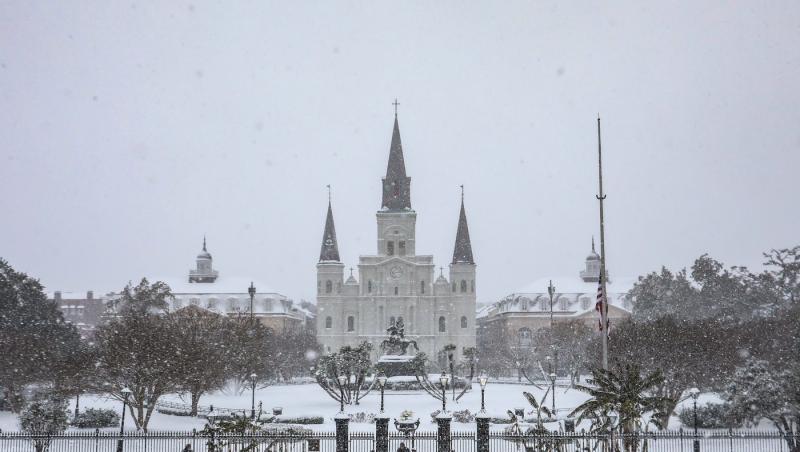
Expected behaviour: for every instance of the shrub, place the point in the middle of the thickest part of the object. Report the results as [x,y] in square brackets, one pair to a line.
[301,420]
[362,418]
[463,416]
[96,418]
[44,417]
[712,415]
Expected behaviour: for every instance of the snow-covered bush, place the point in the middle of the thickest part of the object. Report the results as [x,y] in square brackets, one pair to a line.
[362,418]
[44,417]
[463,416]
[713,415]
[96,418]
[301,420]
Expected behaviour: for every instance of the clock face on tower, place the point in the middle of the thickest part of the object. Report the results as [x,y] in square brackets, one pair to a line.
[396,272]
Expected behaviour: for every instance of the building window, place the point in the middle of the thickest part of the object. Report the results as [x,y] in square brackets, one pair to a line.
[402,247]
[369,286]
[525,337]
[442,324]
[422,287]
[395,290]
[328,322]
[390,248]
[584,303]
[463,286]
[472,285]
[454,286]
[351,323]
[463,321]
[328,286]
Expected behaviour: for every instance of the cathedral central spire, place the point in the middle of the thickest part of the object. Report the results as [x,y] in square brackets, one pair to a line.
[329,252]
[396,185]
[462,252]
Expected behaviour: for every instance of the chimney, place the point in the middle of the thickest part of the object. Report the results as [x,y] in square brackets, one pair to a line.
[57,296]
[90,295]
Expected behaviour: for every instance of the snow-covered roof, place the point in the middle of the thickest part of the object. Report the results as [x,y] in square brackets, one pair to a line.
[67,295]
[573,297]
[575,284]
[223,285]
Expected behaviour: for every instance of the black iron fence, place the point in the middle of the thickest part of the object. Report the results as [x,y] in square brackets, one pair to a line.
[667,441]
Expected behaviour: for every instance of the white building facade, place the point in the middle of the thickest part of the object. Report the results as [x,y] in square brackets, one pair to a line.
[396,283]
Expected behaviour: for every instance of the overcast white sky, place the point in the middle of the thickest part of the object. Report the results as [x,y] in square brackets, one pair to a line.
[127,131]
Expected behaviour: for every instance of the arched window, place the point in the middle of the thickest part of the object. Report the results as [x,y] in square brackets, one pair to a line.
[422,287]
[525,337]
[463,321]
[328,322]
[442,324]
[472,285]
[369,286]
[351,323]
[463,286]
[454,286]
[328,286]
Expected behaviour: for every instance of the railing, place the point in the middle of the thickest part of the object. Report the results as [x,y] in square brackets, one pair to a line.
[668,441]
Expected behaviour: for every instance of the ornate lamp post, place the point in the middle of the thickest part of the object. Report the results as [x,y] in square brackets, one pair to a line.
[695,393]
[342,381]
[253,377]
[553,388]
[382,384]
[125,394]
[443,379]
[252,291]
[483,379]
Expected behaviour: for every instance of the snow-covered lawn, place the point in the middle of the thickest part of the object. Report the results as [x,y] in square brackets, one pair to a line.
[310,399]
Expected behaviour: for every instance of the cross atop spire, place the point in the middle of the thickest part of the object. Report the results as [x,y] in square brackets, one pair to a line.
[204,242]
[395,103]
[462,252]
[593,244]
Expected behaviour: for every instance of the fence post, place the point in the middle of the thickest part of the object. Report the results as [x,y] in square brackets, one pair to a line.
[382,433]
[342,437]
[443,434]
[482,421]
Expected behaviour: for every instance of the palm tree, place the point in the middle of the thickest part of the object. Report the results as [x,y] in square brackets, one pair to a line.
[623,392]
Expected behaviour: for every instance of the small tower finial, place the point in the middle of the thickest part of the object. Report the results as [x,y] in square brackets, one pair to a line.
[395,103]
[462,193]
[329,193]
[593,244]
[204,242]
[351,271]
[441,272]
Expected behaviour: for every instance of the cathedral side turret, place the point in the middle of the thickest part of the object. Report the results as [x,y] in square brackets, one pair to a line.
[396,283]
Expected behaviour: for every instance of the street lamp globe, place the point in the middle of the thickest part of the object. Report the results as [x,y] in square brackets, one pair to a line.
[253,376]
[342,380]
[252,289]
[483,379]
[126,392]
[443,379]
[553,377]
[382,379]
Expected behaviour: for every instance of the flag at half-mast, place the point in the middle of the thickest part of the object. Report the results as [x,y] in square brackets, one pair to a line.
[600,305]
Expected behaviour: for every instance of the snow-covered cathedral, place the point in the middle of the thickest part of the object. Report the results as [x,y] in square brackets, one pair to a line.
[396,283]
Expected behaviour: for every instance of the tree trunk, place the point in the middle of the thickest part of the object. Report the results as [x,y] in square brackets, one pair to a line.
[195,401]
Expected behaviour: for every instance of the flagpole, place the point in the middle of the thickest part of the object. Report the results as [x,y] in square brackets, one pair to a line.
[600,197]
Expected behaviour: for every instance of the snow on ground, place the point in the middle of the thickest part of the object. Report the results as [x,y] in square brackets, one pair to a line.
[311,400]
